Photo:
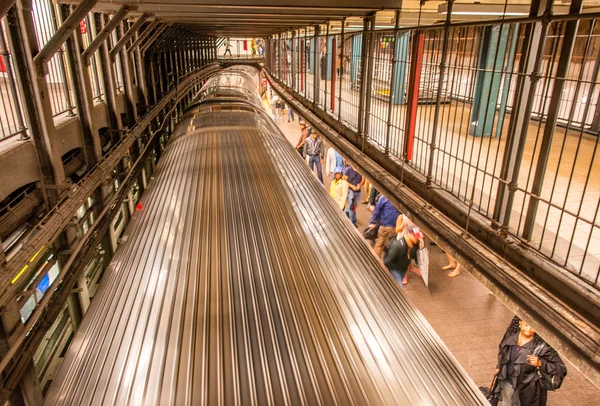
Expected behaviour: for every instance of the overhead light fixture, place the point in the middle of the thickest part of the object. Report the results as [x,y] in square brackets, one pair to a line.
[478,9]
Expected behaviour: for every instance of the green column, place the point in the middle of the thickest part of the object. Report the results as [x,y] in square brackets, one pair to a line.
[489,77]
[355,57]
[399,79]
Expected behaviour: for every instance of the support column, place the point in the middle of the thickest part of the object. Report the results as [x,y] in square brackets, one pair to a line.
[532,53]
[418,42]
[399,89]
[566,53]
[330,58]
[342,50]
[507,78]
[311,57]
[294,70]
[394,86]
[110,89]
[82,87]
[487,86]
[317,71]
[355,53]
[366,90]
[130,99]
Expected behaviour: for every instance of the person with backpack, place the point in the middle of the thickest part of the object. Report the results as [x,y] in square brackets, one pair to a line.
[403,249]
[528,367]
[384,216]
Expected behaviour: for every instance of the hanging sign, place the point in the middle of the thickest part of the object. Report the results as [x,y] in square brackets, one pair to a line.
[83,27]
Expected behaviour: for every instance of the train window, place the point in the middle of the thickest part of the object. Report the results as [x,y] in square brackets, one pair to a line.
[118,219]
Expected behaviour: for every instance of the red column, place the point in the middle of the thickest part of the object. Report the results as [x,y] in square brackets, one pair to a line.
[414,79]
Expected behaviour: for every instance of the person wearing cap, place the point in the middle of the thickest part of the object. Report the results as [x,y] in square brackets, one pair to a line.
[303,136]
[385,216]
[339,188]
[314,152]
[403,249]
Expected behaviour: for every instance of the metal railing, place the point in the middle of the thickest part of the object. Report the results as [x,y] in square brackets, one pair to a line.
[505,120]
[46,20]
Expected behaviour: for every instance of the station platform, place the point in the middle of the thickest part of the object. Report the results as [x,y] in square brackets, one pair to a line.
[468,318]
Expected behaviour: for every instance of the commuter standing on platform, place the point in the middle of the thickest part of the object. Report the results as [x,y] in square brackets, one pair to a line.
[303,136]
[227,47]
[355,182]
[313,150]
[528,367]
[290,113]
[332,161]
[373,197]
[339,188]
[276,108]
[385,216]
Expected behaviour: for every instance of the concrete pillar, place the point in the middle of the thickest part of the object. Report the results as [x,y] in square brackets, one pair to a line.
[487,86]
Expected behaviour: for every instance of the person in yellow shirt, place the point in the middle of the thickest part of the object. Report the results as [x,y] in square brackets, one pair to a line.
[339,188]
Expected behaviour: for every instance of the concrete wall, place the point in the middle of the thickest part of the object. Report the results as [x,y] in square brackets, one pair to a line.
[18,158]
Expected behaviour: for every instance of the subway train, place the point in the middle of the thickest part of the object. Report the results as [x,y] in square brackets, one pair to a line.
[240,282]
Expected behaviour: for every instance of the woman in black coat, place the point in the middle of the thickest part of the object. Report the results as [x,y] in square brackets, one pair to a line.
[527,367]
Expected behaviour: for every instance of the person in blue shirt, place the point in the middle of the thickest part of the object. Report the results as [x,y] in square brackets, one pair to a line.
[384,216]
[355,181]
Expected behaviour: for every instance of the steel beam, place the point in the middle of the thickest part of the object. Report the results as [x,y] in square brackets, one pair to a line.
[568,42]
[105,33]
[61,35]
[144,47]
[143,35]
[128,35]
[532,53]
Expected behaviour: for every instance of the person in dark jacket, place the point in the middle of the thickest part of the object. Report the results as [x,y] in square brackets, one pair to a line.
[527,367]
[384,216]
[403,249]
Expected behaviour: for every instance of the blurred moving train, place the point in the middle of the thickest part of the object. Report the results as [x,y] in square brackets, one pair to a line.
[241,283]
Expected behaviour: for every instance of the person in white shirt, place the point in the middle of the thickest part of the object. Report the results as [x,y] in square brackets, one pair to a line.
[332,161]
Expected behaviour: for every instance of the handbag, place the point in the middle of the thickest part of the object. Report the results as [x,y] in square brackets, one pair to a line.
[371,233]
[490,393]
[548,381]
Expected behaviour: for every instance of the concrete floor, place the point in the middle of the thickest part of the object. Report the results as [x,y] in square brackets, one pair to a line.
[469,320]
